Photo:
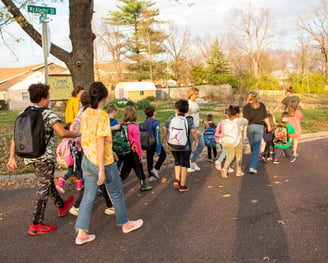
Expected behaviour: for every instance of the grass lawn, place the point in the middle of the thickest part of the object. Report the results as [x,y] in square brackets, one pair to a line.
[315,120]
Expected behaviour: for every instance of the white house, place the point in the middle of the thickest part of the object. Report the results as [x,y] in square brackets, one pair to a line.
[135,90]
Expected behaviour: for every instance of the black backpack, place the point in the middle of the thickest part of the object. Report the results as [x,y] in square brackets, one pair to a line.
[147,138]
[29,133]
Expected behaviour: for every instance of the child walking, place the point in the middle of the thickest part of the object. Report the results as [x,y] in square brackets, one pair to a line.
[44,166]
[99,167]
[182,152]
[76,150]
[295,117]
[133,159]
[268,138]
[232,140]
[218,135]
[153,171]
[209,138]
[281,139]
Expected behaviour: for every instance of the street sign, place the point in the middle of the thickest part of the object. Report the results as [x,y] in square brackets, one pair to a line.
[42,17]
[41,9]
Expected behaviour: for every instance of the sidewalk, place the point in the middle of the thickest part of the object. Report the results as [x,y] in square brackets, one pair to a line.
[11,180]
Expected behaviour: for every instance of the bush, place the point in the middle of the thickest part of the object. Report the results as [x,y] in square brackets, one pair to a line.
[121,103]
[150,98]
[3,105]
[142,104]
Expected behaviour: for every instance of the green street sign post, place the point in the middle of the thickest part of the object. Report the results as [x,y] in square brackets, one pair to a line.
[46,43]
[41,9]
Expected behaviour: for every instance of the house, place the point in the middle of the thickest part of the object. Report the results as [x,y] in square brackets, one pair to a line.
[135,90]
[14,83]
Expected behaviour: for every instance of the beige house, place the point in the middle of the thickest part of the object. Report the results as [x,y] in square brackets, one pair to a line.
[135,90]
[14,83]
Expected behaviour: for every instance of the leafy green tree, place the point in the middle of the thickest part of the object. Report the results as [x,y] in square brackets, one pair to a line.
[138,18]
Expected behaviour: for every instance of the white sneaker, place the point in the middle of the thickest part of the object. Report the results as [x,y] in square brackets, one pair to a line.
[73,211]
[155,173]
[110,211]
[190,170]
[152,178]
[252,170]
[194,166]
[218,165]
[230,170]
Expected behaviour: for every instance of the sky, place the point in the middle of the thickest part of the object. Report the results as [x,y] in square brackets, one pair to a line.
[205,18]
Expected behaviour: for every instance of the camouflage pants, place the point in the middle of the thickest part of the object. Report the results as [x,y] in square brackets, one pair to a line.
[44,172]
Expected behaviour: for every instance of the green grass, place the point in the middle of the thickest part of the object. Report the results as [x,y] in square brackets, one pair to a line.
[315,120]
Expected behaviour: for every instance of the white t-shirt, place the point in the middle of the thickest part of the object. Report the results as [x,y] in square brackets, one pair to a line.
[194,112]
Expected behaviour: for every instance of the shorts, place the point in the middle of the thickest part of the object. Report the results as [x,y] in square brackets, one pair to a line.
[181,158]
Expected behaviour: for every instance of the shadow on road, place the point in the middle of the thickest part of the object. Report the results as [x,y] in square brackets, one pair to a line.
[260,233]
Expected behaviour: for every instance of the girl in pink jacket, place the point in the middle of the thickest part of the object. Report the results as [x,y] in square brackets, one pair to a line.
[133,159]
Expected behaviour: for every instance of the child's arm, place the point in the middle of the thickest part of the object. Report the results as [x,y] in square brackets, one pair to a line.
[194,133]
[115,127]
[165,134]
[158,139]
[11,164]
[63,132]
[101,157]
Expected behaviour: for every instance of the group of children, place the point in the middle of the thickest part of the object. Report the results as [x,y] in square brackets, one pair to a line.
[278,138]
[99,131]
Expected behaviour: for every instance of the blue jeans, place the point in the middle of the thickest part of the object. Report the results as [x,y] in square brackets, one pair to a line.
[113,186]
[200,146]
[150,160]
[78,160]
[255,135]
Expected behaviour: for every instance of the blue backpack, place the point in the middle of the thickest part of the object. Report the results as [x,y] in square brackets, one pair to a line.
[209,137]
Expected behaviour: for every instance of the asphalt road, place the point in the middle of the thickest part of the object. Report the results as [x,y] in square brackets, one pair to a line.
[278,215]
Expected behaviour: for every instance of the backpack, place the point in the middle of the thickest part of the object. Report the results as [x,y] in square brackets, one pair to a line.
[147,138]
[29,133]
[209,137]
[280,134]
[230,136]
[177,136]
[64,156]
[121,143]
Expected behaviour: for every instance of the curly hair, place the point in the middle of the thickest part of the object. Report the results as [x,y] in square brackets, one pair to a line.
[38,91]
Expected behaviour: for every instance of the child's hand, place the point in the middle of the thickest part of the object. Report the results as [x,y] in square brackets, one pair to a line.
[101,177]
[115,156]
[11,164]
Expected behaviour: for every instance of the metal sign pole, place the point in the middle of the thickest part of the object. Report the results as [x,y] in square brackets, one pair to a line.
[45,47]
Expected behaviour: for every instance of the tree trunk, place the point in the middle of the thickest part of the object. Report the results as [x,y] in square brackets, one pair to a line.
[81,59]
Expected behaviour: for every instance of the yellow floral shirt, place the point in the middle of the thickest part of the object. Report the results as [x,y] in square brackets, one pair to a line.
[95,124]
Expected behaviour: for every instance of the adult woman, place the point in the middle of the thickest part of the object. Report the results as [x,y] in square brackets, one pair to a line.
[98,166]
[289,93]
[194,112]
[256,114]
[73,105]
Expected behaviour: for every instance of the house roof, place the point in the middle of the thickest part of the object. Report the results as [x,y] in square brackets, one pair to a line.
[11,76]
[134,86]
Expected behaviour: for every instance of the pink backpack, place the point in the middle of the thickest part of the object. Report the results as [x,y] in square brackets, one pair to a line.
[63,154]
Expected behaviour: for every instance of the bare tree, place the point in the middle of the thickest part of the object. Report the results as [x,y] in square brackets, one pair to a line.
[177,45]
[316,24]
[252,27]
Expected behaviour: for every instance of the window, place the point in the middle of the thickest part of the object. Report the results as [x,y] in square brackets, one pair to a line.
[25,96]
[142,93]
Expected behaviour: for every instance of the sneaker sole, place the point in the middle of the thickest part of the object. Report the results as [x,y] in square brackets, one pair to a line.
[36,233]
[79,243]
[60,190]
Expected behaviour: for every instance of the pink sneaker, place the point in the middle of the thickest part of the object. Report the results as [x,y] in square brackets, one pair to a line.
[132,225]
[60,185]
[79,185]
[82,240]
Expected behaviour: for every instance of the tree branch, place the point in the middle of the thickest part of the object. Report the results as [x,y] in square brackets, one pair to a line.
[58,52]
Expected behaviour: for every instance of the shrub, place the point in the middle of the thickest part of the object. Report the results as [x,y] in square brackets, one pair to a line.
[3,105]
[142,104]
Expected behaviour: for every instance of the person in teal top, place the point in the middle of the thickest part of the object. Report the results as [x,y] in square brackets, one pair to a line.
[281,139]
